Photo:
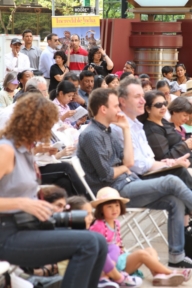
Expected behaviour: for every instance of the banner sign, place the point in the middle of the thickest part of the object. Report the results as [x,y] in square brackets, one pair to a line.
[87,27]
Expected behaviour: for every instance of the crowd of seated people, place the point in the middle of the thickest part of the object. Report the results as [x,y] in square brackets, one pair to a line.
[106,142]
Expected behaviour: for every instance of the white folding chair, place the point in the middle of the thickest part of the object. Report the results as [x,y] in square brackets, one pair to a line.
[134,221]
[80,172]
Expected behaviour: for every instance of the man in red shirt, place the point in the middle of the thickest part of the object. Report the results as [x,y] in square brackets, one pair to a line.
[78,55]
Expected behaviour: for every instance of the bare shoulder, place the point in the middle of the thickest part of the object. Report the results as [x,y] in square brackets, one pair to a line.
[7,149]
[6,159]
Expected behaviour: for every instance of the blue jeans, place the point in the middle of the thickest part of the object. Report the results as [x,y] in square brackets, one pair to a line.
[86,250]
[163,193]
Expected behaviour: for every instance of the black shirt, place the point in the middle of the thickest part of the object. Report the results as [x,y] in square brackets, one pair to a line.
[165,141]
[100,69]
[99,151]
[54,70]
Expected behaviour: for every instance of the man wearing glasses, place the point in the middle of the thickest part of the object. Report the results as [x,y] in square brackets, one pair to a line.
[46,58]
[78,55]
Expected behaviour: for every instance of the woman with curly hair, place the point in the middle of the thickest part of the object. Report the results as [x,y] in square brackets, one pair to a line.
[98,62]
[31,121]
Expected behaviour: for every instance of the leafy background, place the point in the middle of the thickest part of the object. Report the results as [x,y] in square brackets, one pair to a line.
[14,22]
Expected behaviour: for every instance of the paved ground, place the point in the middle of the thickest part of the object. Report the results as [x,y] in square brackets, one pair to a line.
[158,244]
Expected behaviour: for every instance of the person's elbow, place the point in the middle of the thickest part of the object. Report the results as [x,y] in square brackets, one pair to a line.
[129,162]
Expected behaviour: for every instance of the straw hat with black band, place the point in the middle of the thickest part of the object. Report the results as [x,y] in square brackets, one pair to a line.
[107,194]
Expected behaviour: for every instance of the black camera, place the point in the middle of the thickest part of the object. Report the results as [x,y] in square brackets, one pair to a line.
[92,65]
[69,219]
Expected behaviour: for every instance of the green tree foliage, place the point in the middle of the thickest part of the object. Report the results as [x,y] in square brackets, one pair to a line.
[112,9]
[64,6]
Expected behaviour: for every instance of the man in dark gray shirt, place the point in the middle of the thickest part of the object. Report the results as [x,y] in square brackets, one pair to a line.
[107,164]
[86,81]
[31,51]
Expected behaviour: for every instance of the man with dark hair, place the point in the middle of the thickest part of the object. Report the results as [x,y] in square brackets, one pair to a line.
[31,51]
[129,66]
[167,72]
[86,81]
[106,163]
[78,55]
[46,58]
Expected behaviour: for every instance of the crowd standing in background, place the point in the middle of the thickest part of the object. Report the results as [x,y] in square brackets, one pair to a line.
[66,101]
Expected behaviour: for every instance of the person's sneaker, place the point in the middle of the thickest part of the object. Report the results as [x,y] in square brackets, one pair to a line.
[131,281]
[187,273]
[168,280]
[105,283]
[185,263]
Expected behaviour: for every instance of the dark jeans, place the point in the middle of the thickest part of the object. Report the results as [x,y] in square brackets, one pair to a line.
[86,250]
[169,193]
[63,175]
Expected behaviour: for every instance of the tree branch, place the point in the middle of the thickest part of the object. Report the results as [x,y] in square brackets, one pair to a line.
[2,23]
[11,16]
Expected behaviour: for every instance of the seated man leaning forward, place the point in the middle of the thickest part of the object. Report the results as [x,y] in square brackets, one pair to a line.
[107,164]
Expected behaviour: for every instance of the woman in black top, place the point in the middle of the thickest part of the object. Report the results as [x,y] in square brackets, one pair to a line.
[161,134]
[97,64]
[58,70]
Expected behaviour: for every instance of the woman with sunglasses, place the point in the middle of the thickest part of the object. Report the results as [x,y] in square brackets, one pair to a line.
[163,86]
[181,76]
[161,134]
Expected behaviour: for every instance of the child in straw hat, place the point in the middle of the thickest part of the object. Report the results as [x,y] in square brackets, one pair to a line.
[108,207]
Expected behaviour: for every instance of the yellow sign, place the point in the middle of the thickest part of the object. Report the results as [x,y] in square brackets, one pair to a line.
[75,21]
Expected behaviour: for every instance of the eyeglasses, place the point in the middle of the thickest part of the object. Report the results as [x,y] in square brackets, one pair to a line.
[55,40]
[75,40]
[160,104]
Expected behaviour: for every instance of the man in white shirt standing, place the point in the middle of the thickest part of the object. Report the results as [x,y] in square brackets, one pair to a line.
[46,58]
[15,60]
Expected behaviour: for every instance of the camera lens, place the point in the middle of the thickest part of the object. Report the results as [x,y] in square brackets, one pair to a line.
[73,219]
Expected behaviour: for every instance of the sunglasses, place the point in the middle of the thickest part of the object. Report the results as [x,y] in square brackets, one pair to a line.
[160,104]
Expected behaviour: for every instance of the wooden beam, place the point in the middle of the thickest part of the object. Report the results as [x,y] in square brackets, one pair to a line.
[136,5]
[189,4]
[159,11]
